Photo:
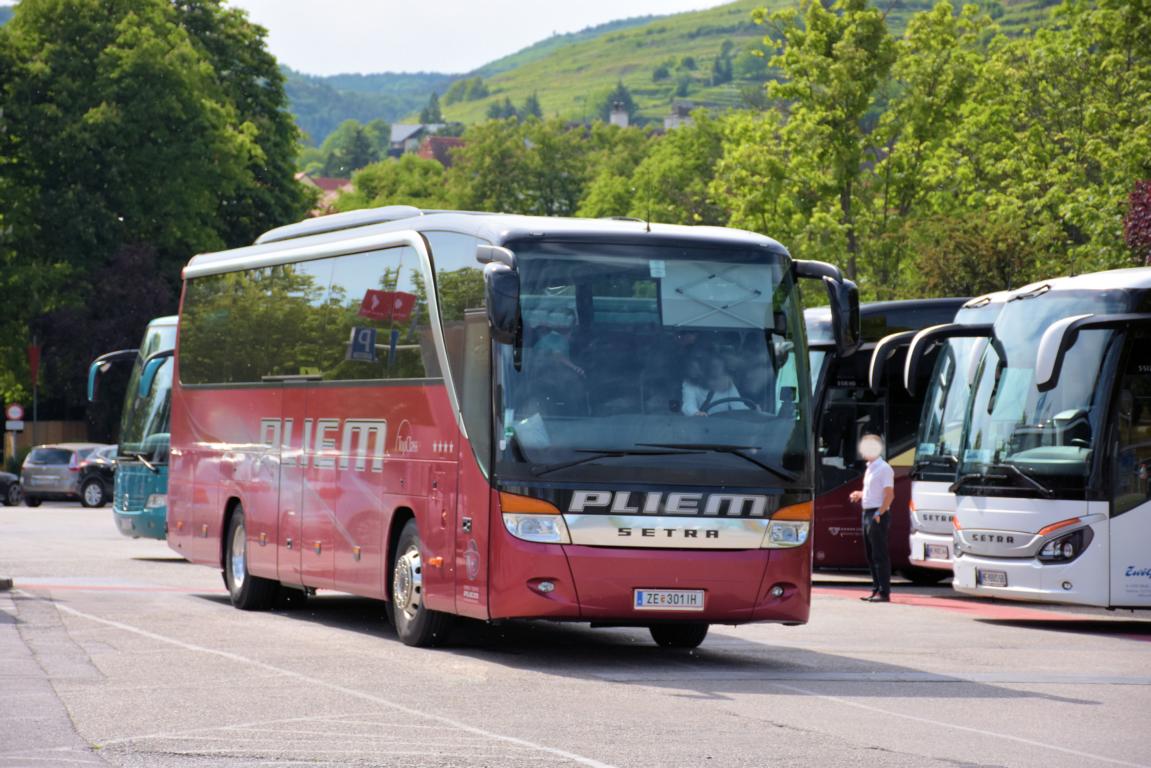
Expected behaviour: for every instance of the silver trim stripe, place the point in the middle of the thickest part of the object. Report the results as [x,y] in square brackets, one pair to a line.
[666,532]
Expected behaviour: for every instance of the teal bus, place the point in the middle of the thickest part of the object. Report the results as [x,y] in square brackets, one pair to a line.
[140,498]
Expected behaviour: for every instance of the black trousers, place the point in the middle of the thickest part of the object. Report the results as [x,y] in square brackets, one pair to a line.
[878,554]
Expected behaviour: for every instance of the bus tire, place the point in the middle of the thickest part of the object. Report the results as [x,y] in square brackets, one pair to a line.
[92,493]
[247,592]
[924,577]
[415,624]
[679,635]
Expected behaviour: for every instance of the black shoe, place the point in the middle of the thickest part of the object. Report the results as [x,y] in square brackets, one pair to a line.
[878,598]
[870,598]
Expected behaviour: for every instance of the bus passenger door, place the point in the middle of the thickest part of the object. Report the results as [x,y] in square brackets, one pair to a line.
[1130,523]
[293,455]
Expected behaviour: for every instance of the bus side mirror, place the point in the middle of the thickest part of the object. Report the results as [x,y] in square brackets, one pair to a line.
[1061,336]
[926,340]
[843,296]
[845,323]
[886,349]
[152,366]
[502,295]
[102,365]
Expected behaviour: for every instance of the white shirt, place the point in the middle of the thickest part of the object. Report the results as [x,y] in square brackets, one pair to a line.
[878,477]
[694,397]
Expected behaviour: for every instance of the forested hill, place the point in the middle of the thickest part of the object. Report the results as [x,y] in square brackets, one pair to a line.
[322,103]
[705,57]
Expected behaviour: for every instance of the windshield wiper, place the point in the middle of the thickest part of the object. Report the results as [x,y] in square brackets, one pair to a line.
[734,450]
[140,457]
[1043,490]
[1012,471]
[595,455]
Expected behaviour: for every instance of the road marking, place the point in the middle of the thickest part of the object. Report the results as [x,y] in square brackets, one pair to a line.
[953,726]
[571,756]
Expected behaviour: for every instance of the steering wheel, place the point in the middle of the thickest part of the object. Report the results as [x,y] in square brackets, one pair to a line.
[751,404]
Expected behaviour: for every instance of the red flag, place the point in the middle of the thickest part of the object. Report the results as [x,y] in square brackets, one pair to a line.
[396,306]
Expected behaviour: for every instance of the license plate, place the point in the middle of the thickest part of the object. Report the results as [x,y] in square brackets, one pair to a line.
[938,552]
[990,578]
[669,599]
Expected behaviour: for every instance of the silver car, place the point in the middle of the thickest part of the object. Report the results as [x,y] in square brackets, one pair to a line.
[52,472]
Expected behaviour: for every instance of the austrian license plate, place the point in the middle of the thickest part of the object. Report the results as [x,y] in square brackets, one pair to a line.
[937,552]
[990,578]
[669,599]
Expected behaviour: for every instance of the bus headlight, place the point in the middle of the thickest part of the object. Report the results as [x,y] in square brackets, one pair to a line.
[533,519]
[789,527]
[544,529]
[1065,548]
[157,500]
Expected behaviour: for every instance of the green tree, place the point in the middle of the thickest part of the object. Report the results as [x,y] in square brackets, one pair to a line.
[488,172]
[502,110]
[672,184]
[613,154]
[1055,133]
[834,61]
[128,126]
[532,107]
[408,180]
[432,113]
[348,149]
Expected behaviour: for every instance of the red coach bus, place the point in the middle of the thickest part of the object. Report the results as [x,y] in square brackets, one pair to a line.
[849,404]
[502,417]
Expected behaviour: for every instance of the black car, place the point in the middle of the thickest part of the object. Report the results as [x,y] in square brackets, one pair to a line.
[10,493]
[98,477]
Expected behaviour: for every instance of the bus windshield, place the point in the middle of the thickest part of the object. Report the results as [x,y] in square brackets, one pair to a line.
[654,364]
[1020,441]
[946,399]
[145,422]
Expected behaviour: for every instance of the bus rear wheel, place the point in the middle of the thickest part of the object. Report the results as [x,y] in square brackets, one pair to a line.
[415,624]
[678,635]
[248,592]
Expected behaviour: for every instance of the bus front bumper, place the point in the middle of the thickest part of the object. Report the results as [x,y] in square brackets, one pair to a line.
[1083,581]
[931,550]
[602,584]
[147,523]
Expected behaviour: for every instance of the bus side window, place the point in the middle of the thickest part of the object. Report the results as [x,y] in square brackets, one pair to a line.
[1133,414]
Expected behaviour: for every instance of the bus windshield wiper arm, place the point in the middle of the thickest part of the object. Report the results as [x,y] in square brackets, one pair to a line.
[1012,471]
[735,450]
[594,455]
[1043,490]
[140,458]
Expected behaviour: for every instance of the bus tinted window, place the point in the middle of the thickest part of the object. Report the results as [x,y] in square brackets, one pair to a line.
[362,316]
[1133,413]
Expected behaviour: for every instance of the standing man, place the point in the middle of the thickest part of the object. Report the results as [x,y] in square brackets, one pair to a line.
[877,496]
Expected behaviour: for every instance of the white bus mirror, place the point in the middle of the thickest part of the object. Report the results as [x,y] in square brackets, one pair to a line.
[927,339]
[886,349]
[1061,336]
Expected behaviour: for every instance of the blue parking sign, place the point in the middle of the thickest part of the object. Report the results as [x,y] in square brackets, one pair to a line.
[362,346]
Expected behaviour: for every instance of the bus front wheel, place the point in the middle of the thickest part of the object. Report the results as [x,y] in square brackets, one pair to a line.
[416,625]
[678,635]
[248,592]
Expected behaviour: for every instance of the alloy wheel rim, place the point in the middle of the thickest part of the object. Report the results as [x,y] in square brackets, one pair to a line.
[93,494]
[13,495]
[407,586]
[239,550]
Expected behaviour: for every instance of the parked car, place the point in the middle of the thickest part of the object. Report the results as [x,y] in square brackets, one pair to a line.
[98,476]
[52,472]
[10,494]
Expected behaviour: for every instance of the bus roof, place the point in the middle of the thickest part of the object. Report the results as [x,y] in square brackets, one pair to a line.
[284,245]
[1131,279]
[881,318]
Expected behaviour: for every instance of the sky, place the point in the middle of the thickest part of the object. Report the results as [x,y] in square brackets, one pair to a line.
[325,37]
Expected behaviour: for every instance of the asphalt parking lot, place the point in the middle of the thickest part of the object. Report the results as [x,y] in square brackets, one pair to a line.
[116,652]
